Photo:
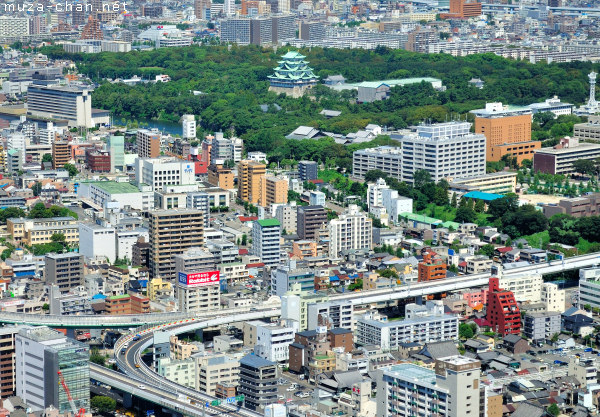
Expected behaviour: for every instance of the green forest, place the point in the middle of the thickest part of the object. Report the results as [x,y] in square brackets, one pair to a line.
[233,81]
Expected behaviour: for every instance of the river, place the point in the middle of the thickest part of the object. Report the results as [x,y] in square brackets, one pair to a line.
[164,127]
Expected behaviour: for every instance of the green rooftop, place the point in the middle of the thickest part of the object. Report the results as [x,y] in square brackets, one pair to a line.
[118,297]
[420,218]
[393,83]
[113,187]
[268,222]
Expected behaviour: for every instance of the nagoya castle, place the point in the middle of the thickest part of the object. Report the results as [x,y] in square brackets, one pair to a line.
[293,76]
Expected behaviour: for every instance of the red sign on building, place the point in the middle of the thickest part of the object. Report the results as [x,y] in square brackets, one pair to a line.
[199,279]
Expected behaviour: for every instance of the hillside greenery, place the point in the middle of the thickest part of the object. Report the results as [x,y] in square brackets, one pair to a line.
[233,83]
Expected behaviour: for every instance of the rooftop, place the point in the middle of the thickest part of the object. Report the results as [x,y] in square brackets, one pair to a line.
[582,147]
[268,222]
[408,371]
[113,187]
[478,195]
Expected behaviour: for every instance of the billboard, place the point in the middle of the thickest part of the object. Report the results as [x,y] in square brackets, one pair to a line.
[199,279]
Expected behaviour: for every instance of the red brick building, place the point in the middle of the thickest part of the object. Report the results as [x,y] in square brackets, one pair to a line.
[503,312]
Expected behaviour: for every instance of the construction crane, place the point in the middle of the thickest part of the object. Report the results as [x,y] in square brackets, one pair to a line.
[76,413]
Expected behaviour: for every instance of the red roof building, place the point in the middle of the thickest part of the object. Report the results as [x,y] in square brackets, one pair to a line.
[502,310]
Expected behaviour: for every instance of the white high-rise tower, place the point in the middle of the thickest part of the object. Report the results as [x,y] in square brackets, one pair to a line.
[592,101]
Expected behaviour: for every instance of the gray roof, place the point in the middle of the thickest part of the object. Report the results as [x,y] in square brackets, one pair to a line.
[512,338]
[348,378]
[255,361]
[438,350]
[529,410]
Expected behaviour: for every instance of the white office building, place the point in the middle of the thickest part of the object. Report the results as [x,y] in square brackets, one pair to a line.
[316,198]
[589,287]
[226,149]
[161,172]
[188,125]
[375,193]
[198,291]
[40,353]
[443,150]
[10,25]
[451,389]
[273,341]
[61,102]
[526,287]
[333,313]
[395,204]
[422,324]
[122,193]
[126,239]
[351,230]
[97,242]
[266,241]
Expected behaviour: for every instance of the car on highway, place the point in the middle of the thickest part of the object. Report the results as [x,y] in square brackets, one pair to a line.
[136,337]
[137,365]
[141,386]
[123,351]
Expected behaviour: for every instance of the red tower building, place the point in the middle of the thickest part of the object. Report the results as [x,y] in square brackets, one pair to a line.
[503,312]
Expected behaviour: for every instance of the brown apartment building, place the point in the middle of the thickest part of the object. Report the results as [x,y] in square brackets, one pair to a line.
[148,143]
[172,232]
[250,180]
[7,361]
[507,130]
[219,176]
[463,9]
[61,153]
[274,191]
[431,267]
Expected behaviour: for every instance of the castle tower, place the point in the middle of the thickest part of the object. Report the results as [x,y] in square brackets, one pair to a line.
[292,76]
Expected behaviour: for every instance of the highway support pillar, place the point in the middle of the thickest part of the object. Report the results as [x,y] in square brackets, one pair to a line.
[127,400]
[71,333]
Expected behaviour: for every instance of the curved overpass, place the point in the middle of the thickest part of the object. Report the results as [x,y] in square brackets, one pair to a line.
[200,403]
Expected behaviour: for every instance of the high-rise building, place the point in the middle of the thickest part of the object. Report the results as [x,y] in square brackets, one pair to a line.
[266,236]
[283,26]
[64,270]
[444,150]
[229,8]
[148,143]
[188,125]
[172,232]
[61,153]
[202,9]
[353,229]
[507,130]
[452,389]
[7,361]
[14,26]
[116,148]
[275,191]
[503,312]
[236,30]
[92,30]
[465,9]
[287,215]
[312,31]
[307,170]
[43,353]
[310,220]
[258,382]
[225,149]
[250,180]
[73,104]
[197,281]
[213,369]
